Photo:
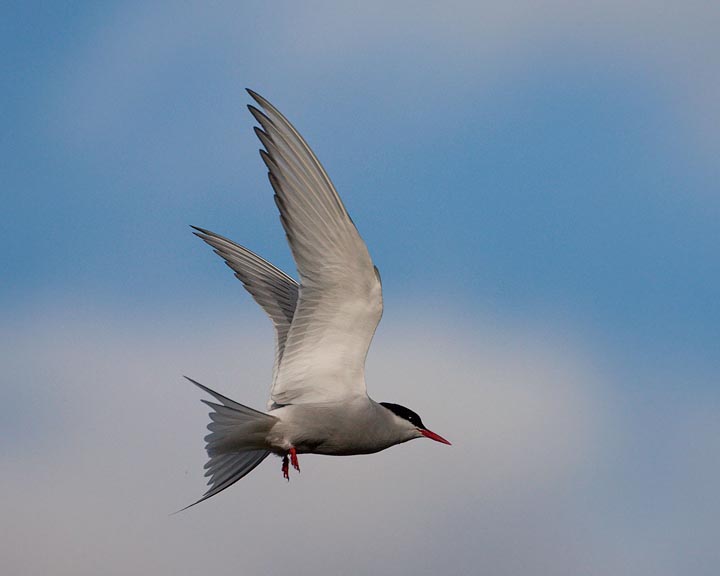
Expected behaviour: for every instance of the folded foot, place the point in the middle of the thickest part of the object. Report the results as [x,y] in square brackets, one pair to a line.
[286,468]
[294,459]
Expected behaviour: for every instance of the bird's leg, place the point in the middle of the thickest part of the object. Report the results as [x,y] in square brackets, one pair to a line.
[294,459]
[286,468]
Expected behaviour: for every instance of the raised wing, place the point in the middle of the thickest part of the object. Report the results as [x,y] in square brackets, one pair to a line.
[274,290]
[340,298]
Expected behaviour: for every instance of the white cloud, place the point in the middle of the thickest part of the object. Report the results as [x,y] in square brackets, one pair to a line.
[413,56]
[553,470]
[92,490]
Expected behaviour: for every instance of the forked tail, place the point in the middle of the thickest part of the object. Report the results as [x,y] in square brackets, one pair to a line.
[236,443]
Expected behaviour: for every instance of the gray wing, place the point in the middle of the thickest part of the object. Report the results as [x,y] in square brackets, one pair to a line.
[340,297]
[271,288]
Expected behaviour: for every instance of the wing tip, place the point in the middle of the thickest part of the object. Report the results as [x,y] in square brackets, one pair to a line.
[200,232]
[258,114]
[259,99]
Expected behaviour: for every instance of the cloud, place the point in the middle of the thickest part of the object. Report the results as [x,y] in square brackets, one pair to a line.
[554,469]
[136,54]
[117,446]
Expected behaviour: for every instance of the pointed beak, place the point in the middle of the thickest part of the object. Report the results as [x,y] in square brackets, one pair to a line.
[433,436]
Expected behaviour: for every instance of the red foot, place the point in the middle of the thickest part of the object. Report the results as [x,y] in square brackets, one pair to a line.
[294,459]
[286,468]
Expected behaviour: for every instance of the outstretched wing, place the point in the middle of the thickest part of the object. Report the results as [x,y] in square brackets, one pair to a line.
[274,290]
[340,297]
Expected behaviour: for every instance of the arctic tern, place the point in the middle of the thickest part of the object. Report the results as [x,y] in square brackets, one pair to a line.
[323,328]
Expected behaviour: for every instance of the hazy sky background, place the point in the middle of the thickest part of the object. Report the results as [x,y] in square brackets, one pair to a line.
[538,184]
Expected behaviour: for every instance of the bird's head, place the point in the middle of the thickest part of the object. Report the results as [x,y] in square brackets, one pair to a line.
[411,422]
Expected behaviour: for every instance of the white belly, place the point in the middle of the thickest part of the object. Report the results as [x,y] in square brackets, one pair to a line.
[341,429]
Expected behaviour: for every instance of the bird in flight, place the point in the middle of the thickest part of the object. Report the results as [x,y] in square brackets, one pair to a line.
[323,327]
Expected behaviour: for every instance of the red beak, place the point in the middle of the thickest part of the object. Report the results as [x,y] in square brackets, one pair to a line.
[433,436]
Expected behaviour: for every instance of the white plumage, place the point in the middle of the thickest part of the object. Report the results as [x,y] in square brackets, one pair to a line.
[323,326]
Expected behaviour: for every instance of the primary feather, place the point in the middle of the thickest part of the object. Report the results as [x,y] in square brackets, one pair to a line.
[272,289]
[340,298]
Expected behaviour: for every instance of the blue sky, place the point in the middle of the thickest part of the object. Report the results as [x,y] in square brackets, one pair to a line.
[537,183]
